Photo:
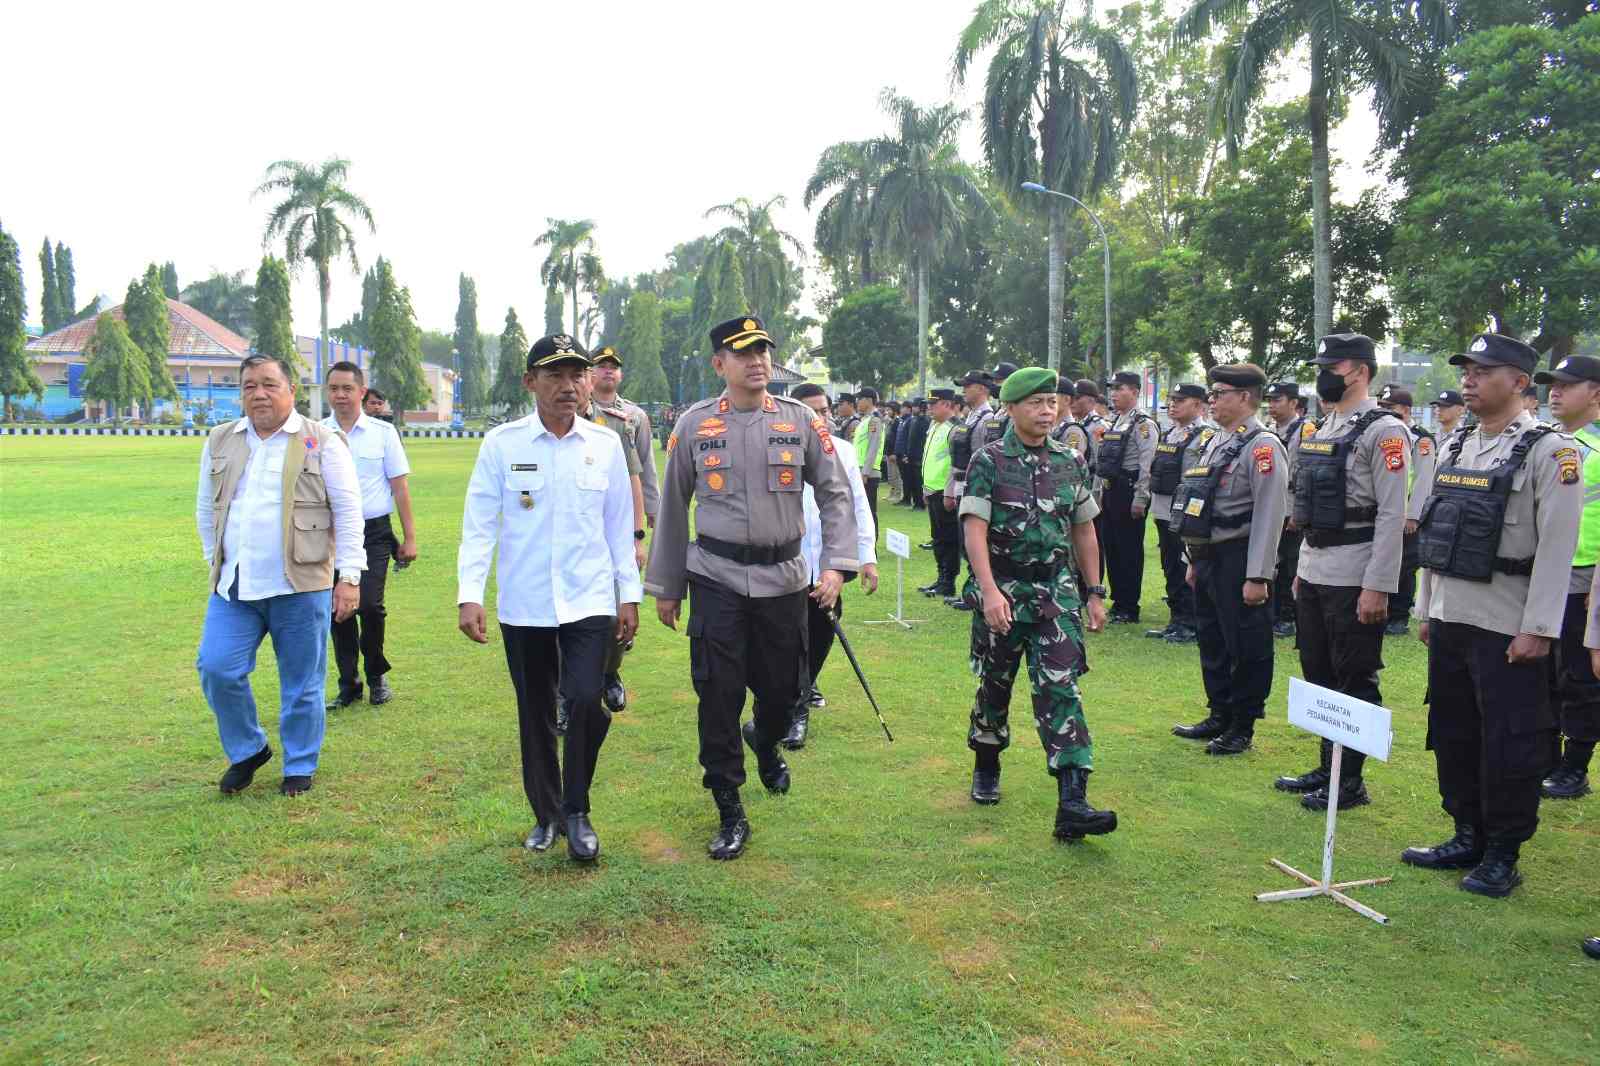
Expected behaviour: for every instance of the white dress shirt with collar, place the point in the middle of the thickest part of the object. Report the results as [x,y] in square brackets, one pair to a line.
[379,456]
[252,541]
[561,510]
[866,529]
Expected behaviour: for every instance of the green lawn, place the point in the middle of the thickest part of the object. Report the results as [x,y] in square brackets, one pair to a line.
[879,916]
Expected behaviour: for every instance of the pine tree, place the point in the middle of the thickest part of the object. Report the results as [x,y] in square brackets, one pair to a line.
[508,391]
[397,346]
[49,300]
[169,279]
[466,344]
[274,329]
[66,286]
[145,311]
[117,372]
[554,306]
[17,376]
[640,343]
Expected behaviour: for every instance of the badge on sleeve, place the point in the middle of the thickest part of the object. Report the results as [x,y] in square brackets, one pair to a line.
[672,441]
[1394,453]
[1145,430]
[1424,445]
[1567,462]
[1308,430]
[820,427]
[1263,457]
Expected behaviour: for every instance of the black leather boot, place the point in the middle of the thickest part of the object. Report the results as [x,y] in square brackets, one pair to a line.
[986,777]
[1352,793]
[1213,725]
[1570,780]
[1075,818]
[1461,852]
[795,739]
[734,831]
[1497,874]
[1236,740]
[770,767]
[1311,780]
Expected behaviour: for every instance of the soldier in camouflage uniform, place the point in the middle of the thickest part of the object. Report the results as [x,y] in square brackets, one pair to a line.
[1027,519]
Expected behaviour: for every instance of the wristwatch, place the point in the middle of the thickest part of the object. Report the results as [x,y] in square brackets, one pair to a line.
[1256,581]
[1095,590]
[351,579]
[638,534]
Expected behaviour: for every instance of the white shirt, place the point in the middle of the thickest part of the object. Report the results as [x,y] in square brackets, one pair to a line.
[379,457]
[252,541]
[561,509]
[866,530]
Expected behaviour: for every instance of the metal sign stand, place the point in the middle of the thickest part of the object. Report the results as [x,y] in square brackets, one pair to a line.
[899,546]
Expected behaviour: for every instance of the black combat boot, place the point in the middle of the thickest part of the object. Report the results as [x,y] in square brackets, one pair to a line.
[770,767]
[1497,874]
[1461,852]
[734,831]
[795,738]
[1236,740]
[1311,780]
[1352,793]
[1571,779]
[1213,725]
[1075,818]
[1183,633]
[986,776]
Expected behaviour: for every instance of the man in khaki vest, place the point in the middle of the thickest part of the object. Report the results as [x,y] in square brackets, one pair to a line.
[279,507]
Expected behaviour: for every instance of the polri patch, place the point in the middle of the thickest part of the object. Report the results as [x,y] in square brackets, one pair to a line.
[1394,453]
[1263,458]
[1567,462]
[1424,445]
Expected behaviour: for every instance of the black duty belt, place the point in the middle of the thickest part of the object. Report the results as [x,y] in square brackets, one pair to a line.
[751,554]
[1198,552]
[1038,573]
[1336,538]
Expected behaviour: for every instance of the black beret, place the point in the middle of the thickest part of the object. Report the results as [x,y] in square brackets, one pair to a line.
[1283,389]
[941,394]
[1494,349]
[1238,375]
[1448,398]
[739,333]
[1002,371]
[1394,394]
[1189,391]
[1572,369]
[1125,377]
[1085,387]
[555,350]
[1338,346]
[806,389]
[868,393]
[1065,387]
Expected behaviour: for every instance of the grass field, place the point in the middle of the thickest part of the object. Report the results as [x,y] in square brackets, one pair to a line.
[879,917]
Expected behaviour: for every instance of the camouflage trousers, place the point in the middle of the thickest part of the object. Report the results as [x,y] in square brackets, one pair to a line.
[1054,650]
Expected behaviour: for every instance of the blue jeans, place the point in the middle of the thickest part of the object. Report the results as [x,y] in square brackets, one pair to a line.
[233,631]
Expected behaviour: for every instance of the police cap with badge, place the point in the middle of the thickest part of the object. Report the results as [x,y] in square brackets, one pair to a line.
[607,354]
[1188,391]
[1394,396]
[1494,349]
[977,377]
[1337,347]
[1570,371]
[558,349]
[1448,398]
[935,395]
[1085,387]
[1283,390]
[1125,377]
[737,334]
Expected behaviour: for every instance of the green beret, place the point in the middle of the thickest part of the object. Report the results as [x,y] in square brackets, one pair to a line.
[1027,381]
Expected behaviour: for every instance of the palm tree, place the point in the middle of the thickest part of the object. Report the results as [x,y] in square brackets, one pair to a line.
[1352,45]
[571,263]
[314,220]
[925,195]
[844,223]
[1059,97]
[761,247]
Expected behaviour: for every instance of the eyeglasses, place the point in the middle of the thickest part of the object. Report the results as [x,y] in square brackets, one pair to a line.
[1212,394]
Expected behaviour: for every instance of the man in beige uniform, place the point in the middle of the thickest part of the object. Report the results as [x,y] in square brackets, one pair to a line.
[1228,511]
[1186,406]
[1497,549]
[1123,460]
[607,379]
[745,458]
[1397,400]
[1350,506]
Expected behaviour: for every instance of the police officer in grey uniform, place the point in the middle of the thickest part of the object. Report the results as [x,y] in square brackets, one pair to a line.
[1068,430]
[744,459]
[1350,506]
[977,387]
[1186,406]
[1496,540]
[1126,450]
[1229,510]
[1397,400]
[1290,424]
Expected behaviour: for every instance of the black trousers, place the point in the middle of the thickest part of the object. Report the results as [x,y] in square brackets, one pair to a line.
[1180,597]
[913,477]
[1288,567]
[1235,639]
[1339,651]
[1577,691]
[946,534]
[871,485]
[738,642]
[819,630]
[1400,602]
[362,632]
[1123,544]
[541,659]
[1490,728]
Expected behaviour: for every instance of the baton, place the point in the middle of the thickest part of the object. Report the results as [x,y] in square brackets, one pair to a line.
[844,642]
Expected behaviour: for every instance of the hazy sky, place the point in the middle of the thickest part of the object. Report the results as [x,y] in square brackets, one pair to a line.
[142,130]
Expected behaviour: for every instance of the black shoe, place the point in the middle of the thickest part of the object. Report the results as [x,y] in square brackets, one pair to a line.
[1311,780]
[563,716]
[294,784]
[1119,617]
[734,830]
[926,545]
[582,843]
[344,699]
[614,696]
[1075,818]
[1283,629]
[770,767]
[379,692]
[1591,947]
[1210,727]
[1497,874]
[1461,852]
[986,787]
[1396,628]
[814,699]
[1235,741]
[1565,784]
[1161,634]
[1352,793]
[928,590]
[957,603]
[240,774]
[1183,634]
[541,836]
[795,739]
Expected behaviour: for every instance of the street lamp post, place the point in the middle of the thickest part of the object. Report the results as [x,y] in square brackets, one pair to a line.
[1033,186]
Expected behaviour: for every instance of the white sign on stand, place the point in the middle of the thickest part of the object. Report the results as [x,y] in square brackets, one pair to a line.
[899,546]
[1348,722]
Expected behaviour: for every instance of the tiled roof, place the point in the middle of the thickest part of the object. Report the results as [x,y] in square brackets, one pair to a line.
[192,334]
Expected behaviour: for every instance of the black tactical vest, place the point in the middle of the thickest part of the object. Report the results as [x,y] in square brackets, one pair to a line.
[1192,503]
[961,447]
[1114,445]
[1319,480]
[1166,469]
[1459,532]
